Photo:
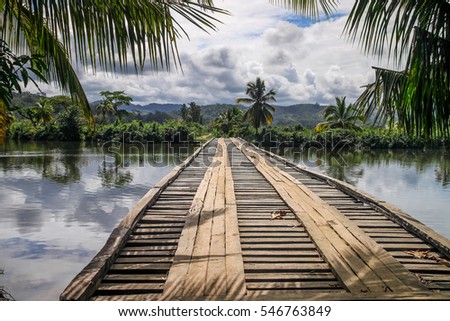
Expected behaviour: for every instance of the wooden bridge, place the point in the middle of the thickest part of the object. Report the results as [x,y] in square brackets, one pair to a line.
[234,222]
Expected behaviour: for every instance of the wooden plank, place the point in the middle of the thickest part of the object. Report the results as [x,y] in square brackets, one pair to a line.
[147,259]
[175,281]
[325,233]
[285,267]
[394,213]
[128,297]
[139,267]
[195,280]
[216,273]
[130,288]
[305,285]
[289,277]
[133,278]
[236,288]
[289,259]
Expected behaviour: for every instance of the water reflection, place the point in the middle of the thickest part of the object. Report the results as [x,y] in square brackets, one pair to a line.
[61,201]
[348,165]
[416,181]
[59,205]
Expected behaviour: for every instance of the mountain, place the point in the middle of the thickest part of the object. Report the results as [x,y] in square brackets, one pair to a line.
[152,108]
[307,115]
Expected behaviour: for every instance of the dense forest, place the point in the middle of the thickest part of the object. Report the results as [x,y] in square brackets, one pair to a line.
[295,125]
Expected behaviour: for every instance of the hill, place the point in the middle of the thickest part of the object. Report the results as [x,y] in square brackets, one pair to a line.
[308,115]
[152,108]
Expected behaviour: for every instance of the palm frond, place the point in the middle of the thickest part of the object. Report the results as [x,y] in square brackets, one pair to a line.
[102,32]
[59,65]
[381,100]
[308,7]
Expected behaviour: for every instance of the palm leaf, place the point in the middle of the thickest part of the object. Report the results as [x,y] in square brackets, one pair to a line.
[308,7]
[102,32]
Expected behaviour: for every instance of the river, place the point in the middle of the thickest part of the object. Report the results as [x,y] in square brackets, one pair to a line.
[60,201]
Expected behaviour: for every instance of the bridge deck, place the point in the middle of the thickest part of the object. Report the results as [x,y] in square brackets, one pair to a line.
[237,223]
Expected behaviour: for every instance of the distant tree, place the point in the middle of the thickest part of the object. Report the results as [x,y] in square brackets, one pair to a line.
[184,113]
[339,116]
[44,111]
[105,107]
[70,124]
[260,112]
[229,120]
[111,101]
[116,98]
[195,113]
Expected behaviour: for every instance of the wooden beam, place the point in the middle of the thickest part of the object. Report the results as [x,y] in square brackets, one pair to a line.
[360,263]
[405,220]
[85,283]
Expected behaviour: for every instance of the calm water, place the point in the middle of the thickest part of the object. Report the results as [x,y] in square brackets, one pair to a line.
[416,181]
[59,202]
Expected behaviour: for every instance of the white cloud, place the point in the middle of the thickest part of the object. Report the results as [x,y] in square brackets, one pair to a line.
[304,64]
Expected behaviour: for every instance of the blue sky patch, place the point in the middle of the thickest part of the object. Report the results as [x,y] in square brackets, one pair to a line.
[305,22]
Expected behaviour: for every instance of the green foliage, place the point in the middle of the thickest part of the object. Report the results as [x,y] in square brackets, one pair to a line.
[137,131]
[229,122]
[101,34]
[70,125]
[195,113]
[184,113]
[14,72]
[366,138]
[260,112]
[339,116]
[418,33]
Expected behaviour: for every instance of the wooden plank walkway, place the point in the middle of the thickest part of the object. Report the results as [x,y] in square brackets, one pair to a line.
[234,222]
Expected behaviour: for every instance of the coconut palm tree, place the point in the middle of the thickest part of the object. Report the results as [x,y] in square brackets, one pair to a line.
[339,116]
[100,34]
[417,36]
[417,32]
[228,120]
[105,107]
[44,111]
[260,112]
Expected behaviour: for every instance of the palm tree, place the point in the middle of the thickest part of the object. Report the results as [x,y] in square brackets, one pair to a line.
[44,111]
[228,120]
[414,32]
[100,34]
[417,32]
[339,116]
[260,112]
[105,107]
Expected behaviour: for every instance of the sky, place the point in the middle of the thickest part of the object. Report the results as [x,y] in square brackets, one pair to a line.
[304,61]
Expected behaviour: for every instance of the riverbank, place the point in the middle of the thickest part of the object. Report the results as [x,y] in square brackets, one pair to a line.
[181,132]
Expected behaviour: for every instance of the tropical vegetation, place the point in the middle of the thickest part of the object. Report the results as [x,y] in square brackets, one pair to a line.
[229,122]
[110,103]
[414,99]
[416,34]
[339,116]
[260,111]
[15,70]
[100,34]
